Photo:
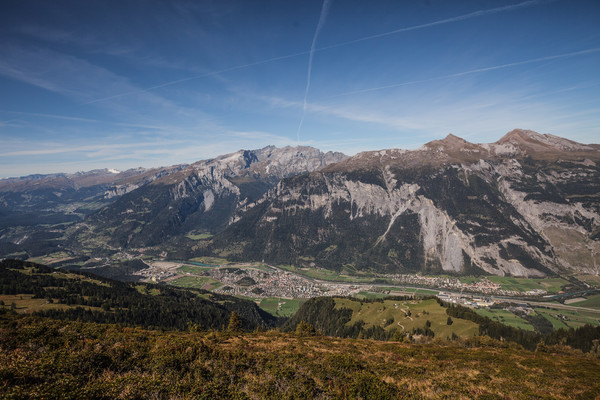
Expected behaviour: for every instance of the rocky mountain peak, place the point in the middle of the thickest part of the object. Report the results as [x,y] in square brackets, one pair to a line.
[526,205]
[451,144]
[530,142]
[454,140]
[269,161]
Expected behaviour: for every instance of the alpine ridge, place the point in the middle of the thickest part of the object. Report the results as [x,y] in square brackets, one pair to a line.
[526,205]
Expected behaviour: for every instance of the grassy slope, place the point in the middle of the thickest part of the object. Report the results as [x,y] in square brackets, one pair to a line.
[108,361]
[281,307]
[377,313]
[69,295]
[25,303]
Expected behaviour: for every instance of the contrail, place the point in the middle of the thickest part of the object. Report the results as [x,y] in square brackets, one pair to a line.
[475,14]
[474,71]
[322,18]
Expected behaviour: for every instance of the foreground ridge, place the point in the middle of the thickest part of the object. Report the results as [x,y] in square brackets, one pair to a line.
[109,361]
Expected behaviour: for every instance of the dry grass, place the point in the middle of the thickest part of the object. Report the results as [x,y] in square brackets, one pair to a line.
[43,358]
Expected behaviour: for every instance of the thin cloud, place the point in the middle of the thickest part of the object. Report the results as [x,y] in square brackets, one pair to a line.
[208,74]
[53,116]
[262,136]
[348,113]
[70,76]
[474,71]
[322,18]
[475,14]
[47,150]
[80,119]
[60,73]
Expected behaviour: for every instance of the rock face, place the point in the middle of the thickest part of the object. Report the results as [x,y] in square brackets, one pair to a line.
[526,205]
[202,197]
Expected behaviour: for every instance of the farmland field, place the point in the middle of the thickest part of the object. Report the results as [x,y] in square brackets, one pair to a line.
[591,302]
[211,260]
[506,317]
[193,269]
[570,318]
[50,259]
[551,285]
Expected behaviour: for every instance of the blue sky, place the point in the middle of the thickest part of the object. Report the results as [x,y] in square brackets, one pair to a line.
[121,84]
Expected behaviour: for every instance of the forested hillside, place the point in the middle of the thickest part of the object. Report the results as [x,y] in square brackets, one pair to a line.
[83,297]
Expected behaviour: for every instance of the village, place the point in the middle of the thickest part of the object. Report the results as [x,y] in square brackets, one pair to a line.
[275,283]
[248,280]
[484,285]
[261,281]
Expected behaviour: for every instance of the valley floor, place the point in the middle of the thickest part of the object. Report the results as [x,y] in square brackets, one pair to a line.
[280,290]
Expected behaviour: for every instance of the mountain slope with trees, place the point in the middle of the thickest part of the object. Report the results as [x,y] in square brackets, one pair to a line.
[84,297]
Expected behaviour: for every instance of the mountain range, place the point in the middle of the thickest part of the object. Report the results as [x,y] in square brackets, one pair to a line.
[526,205]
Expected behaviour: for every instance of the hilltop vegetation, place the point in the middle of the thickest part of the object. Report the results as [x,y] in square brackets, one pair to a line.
[397,318]
[44,358]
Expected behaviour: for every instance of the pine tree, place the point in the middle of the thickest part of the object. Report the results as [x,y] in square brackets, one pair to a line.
[304,328]
[235,324]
